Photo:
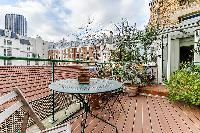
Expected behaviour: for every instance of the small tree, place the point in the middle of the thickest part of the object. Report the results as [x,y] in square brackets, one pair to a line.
[133,48]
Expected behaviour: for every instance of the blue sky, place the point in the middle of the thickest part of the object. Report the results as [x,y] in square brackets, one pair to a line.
[57,19]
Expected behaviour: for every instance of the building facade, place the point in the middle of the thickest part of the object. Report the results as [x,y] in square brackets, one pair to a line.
[180,20]
[82,53]
[91,50]
[13,45]
[171,12]
[16,23]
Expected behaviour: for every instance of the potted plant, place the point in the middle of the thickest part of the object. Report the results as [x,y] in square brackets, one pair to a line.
[134,48]
[132,79]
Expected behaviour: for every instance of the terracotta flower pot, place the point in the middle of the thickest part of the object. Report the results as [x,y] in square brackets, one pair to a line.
[132,90]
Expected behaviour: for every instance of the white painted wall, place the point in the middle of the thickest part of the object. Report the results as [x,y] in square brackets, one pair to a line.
[196,39]
[37,46]
[40,48]
[16,48]
[175,55]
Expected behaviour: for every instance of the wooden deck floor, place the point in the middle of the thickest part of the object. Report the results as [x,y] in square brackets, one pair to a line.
[144,114]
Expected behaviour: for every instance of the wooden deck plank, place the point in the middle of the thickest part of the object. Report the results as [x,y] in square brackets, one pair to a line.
[188,121]
[184,128]
[77,128]
[144,114]
[163,121]
[75,122]
[146,126]
[171,121]
[121,120]
[196,112]
[109,129]
[127,128]
[137,124]
[187,110]
[99,125]
[155,122]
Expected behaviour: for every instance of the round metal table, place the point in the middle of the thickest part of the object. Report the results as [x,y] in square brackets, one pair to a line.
[72,86]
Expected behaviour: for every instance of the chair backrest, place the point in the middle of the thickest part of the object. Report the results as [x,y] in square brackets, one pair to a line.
[20,102]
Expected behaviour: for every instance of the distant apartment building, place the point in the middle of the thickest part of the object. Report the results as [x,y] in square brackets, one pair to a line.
[16,23]
[87,50]
[82,53]
[13,45]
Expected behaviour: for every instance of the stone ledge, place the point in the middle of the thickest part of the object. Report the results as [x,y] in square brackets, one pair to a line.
[59,116]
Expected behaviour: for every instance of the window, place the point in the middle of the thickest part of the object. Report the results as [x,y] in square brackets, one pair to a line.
[9,62]
[28,48]
[9,42]
[28,55]
[9,52]
[4,41]
[4,52]
[36,62]
[28,62]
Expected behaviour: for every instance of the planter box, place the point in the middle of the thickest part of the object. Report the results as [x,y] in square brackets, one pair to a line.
[163,94]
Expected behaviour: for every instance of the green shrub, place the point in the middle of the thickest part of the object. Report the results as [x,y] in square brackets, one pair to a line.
[184,85]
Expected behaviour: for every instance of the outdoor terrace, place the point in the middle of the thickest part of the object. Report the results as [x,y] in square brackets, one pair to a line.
[143,113]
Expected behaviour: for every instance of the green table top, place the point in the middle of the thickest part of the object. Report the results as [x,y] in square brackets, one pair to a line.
[96,85]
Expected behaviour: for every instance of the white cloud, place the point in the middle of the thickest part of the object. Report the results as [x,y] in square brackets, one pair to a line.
[54,19]
[107,11]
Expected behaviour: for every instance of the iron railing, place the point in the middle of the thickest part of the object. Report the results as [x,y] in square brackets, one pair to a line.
[52,65]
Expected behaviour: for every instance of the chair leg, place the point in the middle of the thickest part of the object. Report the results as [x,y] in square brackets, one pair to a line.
[106,103]
[116,98]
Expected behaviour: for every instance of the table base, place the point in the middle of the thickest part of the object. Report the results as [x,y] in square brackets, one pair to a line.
[86,111]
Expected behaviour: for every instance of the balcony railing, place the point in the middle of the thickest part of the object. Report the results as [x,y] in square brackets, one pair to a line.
[33,82]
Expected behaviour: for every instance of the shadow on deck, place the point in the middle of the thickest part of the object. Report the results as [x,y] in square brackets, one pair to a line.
[144,114]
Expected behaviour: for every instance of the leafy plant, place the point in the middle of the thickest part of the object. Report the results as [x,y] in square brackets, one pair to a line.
[134,48]
[184,85]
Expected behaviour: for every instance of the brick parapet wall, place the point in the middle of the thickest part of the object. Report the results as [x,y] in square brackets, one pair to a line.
[33,82]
